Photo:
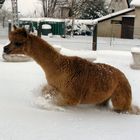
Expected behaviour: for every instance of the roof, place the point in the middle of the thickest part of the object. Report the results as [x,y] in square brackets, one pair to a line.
[116,14]
[101,19]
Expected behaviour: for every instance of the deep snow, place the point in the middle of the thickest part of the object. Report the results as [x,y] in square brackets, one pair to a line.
[23,117]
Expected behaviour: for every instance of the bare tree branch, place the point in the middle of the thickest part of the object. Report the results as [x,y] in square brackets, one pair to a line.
[48,7]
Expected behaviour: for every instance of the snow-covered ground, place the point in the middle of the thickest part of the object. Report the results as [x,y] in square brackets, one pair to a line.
[24,117]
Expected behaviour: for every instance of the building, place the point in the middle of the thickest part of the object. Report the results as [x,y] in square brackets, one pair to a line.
[118,24]
[121,24]
[136,5]
[117,5]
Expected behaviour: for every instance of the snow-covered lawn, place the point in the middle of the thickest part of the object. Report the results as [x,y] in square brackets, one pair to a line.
[24,117]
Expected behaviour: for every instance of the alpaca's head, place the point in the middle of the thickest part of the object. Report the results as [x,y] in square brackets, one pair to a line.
[18,41]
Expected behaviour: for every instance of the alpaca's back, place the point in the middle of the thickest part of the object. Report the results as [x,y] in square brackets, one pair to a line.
[89,82]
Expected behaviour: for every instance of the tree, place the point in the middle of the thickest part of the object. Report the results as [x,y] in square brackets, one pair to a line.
[85,9]
[75,6]
[5,15]
[48,7]
[1,3]
[94,9]
[90,9]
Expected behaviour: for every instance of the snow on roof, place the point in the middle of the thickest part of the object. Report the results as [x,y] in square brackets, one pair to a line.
[135,3]
[114,14]
[95,21]
[42,19]
[130,16]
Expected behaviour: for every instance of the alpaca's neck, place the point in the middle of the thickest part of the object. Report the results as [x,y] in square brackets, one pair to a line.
[44,54]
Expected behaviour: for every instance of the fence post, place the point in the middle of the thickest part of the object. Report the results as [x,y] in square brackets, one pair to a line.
[94,39]
[39,29]
[9,26]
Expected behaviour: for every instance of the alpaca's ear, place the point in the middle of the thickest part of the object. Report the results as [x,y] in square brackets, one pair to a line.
[14,27]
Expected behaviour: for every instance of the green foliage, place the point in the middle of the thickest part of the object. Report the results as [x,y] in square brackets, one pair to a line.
[93,9]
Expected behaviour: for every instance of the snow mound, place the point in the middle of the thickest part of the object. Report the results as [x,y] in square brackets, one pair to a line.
[16,58]
[57,47]
[135,49]
[47,104]
[46,26]
[90,56]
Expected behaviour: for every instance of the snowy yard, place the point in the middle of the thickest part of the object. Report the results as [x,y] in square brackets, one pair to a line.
[23,117]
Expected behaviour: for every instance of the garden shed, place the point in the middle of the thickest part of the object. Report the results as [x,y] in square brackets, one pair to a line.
[117,24]
[136,5]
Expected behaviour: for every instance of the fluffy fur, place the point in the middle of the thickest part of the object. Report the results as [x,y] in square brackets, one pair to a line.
[74,80]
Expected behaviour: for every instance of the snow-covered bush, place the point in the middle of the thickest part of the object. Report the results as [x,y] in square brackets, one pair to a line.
[78,29]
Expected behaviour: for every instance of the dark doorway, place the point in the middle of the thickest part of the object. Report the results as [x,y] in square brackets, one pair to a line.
[127,27]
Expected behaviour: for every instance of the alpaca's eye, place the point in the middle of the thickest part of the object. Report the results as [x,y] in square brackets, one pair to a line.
[17,44]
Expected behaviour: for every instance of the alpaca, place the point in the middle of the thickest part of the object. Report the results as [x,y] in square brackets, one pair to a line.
[74,80]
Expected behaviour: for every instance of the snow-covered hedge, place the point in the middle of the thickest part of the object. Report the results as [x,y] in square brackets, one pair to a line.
[78,29]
